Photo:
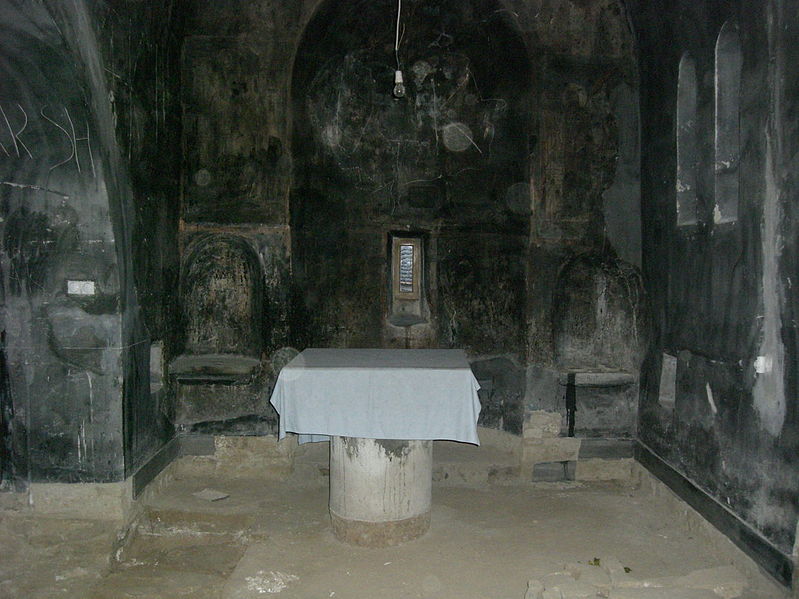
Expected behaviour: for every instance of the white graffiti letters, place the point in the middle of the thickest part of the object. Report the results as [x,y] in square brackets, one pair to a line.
[14,122]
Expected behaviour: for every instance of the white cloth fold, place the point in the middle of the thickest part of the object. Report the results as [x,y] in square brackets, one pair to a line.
[378,394]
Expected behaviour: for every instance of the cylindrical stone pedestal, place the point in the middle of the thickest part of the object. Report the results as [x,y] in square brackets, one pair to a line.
[380,490]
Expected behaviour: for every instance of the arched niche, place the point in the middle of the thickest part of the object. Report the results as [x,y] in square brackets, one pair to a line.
[451,155]
[687,142]
[222,299]
[598,334]
[727,142]
[598,322]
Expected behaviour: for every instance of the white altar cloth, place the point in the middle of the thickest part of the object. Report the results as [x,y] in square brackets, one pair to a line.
[405,394]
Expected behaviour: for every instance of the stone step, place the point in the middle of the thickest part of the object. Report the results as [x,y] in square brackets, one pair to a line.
[145,582]
[501,459]
[206,554]
[461,463]
[177,510]
[453,463]
[190,522]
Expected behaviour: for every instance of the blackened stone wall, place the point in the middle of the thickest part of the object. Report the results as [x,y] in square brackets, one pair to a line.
[722,293]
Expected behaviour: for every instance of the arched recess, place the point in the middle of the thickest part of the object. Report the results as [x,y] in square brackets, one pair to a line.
[599,337]
[449,157]
[222,296]
[729,61]
[687,142]
[598,322]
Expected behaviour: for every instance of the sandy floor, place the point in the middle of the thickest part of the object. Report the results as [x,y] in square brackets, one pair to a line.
[269,538]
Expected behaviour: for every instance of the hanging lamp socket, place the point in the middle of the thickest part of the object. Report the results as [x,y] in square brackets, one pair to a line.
[399,85]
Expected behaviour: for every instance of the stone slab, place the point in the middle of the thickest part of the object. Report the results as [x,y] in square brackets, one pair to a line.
[558,449]
[606,448]
[599,379]
[106,501]
[213,367]
[661,593]
[725,581]
[553,472]
[596,469]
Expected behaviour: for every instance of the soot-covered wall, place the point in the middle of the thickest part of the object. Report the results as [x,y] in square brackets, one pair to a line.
[234,241]
[447,162]
[513,158]
[139,48]
[719,399]
[76,401]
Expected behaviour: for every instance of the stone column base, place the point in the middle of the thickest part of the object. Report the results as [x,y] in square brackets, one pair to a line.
[379,534]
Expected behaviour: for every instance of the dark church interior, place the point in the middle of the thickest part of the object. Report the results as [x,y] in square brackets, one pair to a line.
[597,201]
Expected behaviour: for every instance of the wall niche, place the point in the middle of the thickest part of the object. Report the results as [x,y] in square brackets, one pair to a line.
[599,340]
[445,162]
[222,296]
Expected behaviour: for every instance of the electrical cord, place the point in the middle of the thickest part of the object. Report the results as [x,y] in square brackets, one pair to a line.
[399,84]
[397,34]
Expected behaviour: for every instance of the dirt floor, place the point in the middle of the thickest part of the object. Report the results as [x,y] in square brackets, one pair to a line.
[269,538]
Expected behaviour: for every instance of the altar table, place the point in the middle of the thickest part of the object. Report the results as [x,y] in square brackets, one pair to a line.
[381,408]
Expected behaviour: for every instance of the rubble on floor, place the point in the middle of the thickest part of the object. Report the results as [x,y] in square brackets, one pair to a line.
[607,577]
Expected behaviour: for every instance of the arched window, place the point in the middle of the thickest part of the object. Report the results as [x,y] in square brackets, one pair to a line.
[729,60]
[687,145]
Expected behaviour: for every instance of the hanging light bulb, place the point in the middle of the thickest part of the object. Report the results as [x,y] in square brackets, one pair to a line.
[399,85]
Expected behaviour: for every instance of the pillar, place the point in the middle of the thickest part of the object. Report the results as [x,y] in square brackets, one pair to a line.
[380,490]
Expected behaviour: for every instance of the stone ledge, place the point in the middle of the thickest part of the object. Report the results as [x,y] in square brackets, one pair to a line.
[606,448]
[557,449]
[554,472]
[110,502]
[213,368]
[599,379]
[255,456]
[598,469]
[500,440]
[100,501]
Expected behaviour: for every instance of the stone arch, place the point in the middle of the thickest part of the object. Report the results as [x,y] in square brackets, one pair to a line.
[452,152]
